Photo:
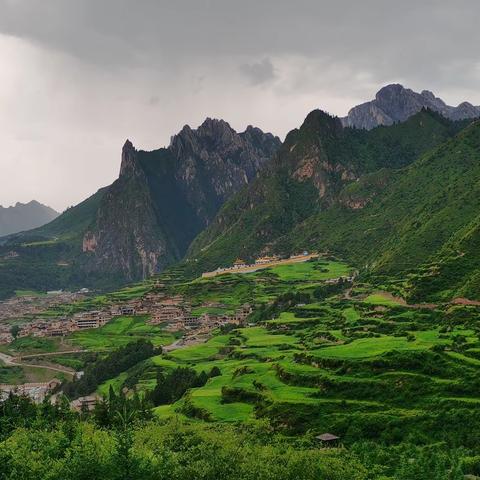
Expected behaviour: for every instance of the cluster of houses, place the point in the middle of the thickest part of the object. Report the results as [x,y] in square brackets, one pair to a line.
[178,317]
[20,306]
[240,266]
[343,278]
[172,312]
[9,255]
[5,333]
[36,391]
[63,326]
[28,308]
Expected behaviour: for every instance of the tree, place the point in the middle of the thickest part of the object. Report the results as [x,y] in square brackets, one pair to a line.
[15,330]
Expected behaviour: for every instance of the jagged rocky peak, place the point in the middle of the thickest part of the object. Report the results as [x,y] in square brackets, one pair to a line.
[431,97]
[211,128]
[215,128]
[217,134]
[466,110]
[163,198]
[129,154]
[395,103]
[265,142]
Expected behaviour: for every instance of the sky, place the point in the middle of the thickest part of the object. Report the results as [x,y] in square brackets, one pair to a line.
[79,77]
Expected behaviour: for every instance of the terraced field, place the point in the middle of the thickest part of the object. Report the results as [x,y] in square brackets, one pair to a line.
[120,331]
[360,366]
[352,360]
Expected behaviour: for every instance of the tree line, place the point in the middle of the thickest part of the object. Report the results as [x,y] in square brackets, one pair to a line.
[109,367]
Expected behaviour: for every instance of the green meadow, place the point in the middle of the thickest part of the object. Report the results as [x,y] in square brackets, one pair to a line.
[120,331]
[382,299]
[371,347]
[352,361]
[311,271]
[337,364]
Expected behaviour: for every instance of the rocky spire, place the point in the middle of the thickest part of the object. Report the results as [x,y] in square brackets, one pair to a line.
[129,155]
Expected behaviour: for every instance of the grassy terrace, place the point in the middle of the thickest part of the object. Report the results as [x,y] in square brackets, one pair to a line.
[335,364]
[372,347]
[346,364]
[120,331]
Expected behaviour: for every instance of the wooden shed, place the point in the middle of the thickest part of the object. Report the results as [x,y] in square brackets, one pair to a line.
[328,439]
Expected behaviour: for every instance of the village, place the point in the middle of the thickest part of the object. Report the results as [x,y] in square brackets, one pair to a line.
[24,309]
[240,266]
[172,312]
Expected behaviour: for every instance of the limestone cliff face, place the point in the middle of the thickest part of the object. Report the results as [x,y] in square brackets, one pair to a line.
[214,161]
[164,198]
[394,103]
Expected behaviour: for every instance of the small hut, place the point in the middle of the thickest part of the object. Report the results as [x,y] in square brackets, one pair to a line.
[328,439]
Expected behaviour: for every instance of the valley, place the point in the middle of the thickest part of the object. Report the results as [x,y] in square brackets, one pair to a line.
[320,350]
[253,251]
[318,297]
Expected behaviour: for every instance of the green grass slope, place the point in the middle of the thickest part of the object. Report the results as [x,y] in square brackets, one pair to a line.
[312,173]
[393,221]
[425,222]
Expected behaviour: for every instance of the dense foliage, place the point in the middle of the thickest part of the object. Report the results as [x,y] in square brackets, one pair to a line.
[172,386]
[111,365]
[45,442]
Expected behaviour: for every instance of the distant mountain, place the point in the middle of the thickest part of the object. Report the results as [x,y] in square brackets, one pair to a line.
[394,103]
[399,200]
[24,216]
[147,218]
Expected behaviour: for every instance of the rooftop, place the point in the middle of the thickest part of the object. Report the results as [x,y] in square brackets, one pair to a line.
[327,437]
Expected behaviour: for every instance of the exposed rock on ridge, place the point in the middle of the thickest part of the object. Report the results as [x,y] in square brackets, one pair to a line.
[394,103]
[164,198]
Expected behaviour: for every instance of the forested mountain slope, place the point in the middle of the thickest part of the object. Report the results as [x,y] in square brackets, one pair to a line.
[146,219]
[342,190]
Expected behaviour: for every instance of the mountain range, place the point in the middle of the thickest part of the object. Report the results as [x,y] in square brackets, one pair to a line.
[147,218]
[24,216]
[392,188]
[399,201]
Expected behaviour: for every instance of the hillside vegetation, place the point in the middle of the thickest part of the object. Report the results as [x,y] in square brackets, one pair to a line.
[397,201]
[398,384]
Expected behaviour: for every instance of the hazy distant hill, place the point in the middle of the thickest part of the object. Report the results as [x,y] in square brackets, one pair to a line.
[24,216]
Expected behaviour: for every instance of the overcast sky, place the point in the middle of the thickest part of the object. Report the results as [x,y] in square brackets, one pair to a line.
[78,77]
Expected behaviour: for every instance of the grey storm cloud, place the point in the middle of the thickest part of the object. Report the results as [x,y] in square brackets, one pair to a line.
[78,77]
[259,72]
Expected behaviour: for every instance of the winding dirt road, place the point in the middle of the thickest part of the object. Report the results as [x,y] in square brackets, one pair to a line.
[13,362]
